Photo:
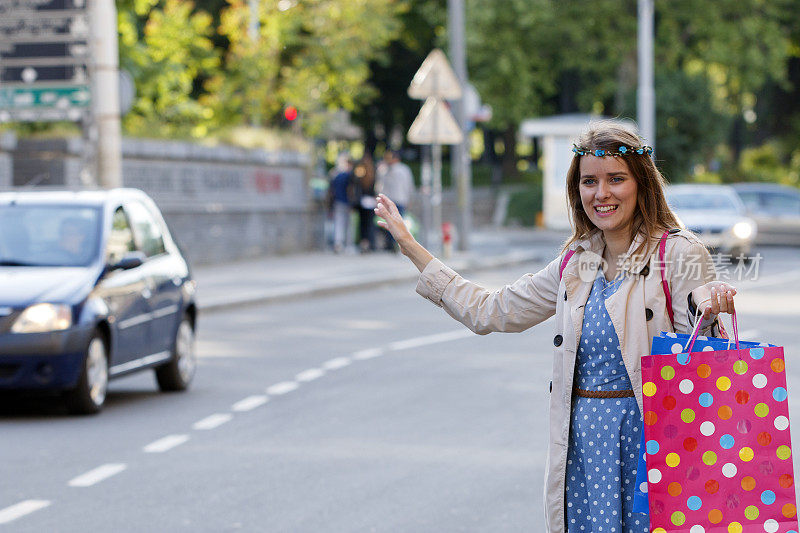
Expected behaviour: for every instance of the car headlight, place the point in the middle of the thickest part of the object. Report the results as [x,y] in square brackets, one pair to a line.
[40,318]
[742,230]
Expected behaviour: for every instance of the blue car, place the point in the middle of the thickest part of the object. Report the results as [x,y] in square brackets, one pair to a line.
[92,287]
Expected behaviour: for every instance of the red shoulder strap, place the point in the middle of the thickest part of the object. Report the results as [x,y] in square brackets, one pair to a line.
[662,249]
[564,263]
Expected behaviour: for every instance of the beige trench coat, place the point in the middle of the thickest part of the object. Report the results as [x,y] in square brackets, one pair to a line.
[637,310]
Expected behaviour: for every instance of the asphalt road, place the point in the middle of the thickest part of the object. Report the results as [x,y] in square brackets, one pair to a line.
[372,411]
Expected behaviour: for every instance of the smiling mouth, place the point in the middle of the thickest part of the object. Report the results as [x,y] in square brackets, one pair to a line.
[605,208]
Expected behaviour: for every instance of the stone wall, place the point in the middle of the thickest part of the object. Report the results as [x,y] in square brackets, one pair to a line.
[7,144]
[221,203]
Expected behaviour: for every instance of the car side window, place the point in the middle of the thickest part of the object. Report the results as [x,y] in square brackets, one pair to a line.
[782,204]
[146,230]
[751,200]
[120,240]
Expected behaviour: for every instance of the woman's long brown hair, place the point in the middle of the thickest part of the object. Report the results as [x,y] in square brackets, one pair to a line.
[652,216]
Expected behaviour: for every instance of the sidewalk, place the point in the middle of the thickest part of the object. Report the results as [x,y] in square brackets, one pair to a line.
[278,278]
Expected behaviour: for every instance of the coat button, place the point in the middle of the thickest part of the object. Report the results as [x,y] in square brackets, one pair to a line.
[558,340]
[645,271]
[565,296]
[648,313]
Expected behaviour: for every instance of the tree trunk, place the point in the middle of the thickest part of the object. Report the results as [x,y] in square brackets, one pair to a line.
[510,153]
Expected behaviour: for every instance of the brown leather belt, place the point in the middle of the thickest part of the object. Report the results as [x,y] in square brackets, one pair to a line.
[602,393]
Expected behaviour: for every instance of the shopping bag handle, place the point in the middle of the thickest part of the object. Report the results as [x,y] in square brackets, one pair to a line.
[696,329]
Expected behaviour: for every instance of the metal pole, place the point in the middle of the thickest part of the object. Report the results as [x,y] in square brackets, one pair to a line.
[435,231]
[427,185]
[105,87]
[460,161]
[645,98]
[436,199]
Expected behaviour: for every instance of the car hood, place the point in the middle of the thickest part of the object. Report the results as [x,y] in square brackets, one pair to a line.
[701,218]
[22,286]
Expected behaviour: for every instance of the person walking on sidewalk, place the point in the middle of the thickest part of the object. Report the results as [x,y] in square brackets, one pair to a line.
[342,189]
[396,181]
[365,179]
[605,290]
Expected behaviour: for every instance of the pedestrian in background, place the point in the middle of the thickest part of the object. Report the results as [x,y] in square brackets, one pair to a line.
[365,180]
[396,181]
[341,193]
[608,306]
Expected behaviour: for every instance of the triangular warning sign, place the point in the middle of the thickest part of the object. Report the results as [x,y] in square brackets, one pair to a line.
[435,78]
[435,124]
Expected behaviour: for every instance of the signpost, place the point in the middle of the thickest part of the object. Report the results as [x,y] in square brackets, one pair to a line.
[44,60]
[54,56]
[434,126]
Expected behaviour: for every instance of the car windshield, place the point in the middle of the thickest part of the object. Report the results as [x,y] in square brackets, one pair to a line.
[702,201]
[48,235]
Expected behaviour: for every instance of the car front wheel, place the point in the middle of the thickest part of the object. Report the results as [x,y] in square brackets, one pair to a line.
[177,374]
[89,394]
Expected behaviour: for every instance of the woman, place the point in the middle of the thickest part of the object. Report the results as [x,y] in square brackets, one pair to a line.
[606,292]
[365,176]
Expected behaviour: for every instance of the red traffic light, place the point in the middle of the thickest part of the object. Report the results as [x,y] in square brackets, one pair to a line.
[290,113]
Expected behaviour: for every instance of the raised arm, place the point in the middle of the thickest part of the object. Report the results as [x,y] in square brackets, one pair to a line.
[516,307]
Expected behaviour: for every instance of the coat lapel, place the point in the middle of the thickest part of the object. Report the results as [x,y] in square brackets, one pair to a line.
[577,286]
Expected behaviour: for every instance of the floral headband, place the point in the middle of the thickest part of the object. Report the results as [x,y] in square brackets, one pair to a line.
[621,151]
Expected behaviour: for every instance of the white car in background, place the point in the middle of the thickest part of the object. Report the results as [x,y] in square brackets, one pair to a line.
[776,210]
[717,215]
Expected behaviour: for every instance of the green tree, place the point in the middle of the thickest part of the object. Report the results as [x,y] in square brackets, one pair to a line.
[422,28]
[533,57]
[313,55]
[165,45]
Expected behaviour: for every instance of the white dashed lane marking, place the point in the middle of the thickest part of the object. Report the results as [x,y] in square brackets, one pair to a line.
[431,339]
[213,421]
[282,388]
[368,354]
[310,375]
[165,444]
[97,475]
[250,403]
[335,364]
[9,514]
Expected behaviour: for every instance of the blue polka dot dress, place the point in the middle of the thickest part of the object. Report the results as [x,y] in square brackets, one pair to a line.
[604,432]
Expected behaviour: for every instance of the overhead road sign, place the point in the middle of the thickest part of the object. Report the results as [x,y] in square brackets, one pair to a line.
[435,124]
[61,97]
[10,7]
[435,77]
[25,104]
[44,60]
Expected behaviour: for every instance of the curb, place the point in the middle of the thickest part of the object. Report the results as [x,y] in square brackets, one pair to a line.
[361,282]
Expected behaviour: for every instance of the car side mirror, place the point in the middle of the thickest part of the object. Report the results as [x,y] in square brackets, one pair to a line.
[129,260]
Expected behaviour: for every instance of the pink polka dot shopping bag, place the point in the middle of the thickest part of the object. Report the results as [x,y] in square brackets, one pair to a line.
[717,442]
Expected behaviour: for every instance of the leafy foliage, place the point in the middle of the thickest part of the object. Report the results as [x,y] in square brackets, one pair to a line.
[313,55]
[166,47]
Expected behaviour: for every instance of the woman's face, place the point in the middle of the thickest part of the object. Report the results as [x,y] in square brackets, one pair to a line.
[608,192]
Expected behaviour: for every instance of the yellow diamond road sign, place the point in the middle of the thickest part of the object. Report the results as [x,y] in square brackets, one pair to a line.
[435,124]
[435,78]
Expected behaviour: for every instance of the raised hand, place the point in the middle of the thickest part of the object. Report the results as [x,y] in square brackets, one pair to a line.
[392,220]
[394,224]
